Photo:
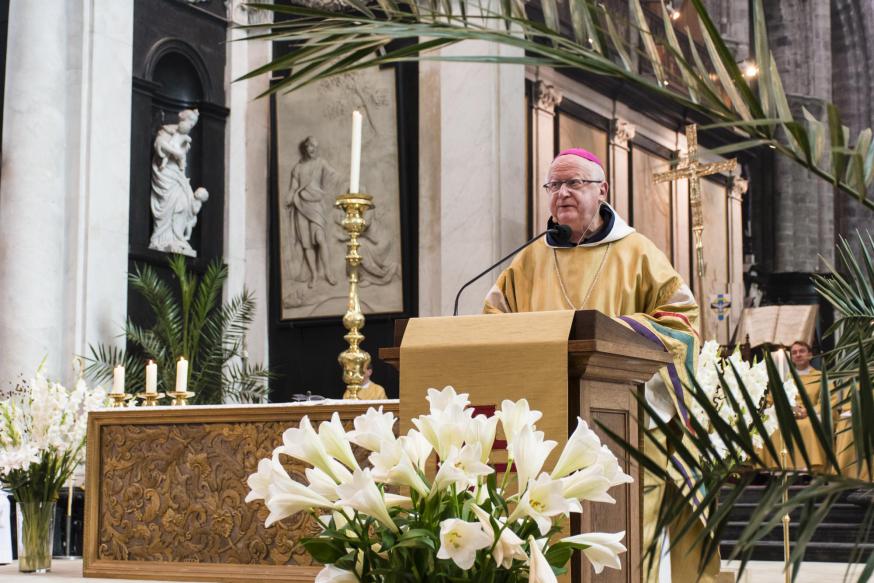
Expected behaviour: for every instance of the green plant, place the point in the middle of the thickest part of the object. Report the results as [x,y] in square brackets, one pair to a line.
[189,322]
[708,80]
[722,478]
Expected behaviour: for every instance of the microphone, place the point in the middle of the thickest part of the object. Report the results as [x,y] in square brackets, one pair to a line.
[562,234]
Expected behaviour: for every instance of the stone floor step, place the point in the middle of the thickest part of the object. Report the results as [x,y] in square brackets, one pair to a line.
[815,552]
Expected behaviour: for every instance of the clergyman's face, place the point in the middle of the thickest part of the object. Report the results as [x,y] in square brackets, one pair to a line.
[576,207]
[800,356]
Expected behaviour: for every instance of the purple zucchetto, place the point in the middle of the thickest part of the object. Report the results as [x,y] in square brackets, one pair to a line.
[585,154]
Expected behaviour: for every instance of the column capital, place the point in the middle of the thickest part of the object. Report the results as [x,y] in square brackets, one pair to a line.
[739,187]
[623,132]
[546,97]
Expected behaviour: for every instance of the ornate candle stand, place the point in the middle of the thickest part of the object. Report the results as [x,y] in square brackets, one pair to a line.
[150,399]
[354,360]
[180,398]
[120,399]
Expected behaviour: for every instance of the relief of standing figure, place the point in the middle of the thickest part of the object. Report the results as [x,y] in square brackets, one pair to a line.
[174,204]
[311,181]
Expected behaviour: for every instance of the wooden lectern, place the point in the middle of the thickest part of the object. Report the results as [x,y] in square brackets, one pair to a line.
[606,362]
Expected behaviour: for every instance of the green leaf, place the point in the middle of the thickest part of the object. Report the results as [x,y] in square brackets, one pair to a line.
[323,550]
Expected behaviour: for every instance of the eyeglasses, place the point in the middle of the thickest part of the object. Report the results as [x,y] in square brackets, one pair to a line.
[575,184]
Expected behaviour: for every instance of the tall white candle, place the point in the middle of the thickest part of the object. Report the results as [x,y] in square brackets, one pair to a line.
[181,375]
[118,379]
[355,164]
[151,377]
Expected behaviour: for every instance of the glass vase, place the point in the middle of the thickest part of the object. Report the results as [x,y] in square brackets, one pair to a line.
[36,534]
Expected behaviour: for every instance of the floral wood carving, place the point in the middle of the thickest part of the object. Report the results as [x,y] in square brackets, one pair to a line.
[175,492]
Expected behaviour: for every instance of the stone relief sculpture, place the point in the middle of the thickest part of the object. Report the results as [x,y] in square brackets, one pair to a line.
[174,204]
[312,160]
[311,188]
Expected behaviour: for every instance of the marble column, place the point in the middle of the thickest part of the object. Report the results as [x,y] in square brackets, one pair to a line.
[622,132]
[738,189]
[472,199]
[32,190]
[98,173]
[246,213]
[65,182]
[545,99]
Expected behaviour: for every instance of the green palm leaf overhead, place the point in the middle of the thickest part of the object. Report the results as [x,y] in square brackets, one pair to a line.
[579,35]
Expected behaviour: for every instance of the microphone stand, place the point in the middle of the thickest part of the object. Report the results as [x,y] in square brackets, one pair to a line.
[561,231]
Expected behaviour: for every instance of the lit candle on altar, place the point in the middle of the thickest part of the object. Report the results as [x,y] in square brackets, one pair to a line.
[151,377]
[181,375]
[118,380]
[355,172]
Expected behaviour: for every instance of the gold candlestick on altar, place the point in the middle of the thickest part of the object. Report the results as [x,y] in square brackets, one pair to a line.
[692,169]
[150,399]
[180,398]
[120,399]
[354,360]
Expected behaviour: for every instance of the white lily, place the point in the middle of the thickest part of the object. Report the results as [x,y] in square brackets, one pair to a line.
[336,443]
[603,548]
[481,430]
[287,498]
[331,574]
[361,494]
[443,431]
[322,483]
[392,465]
[543,499]
[580,451]
[460,540]
[589,484]
[509,545]
[446,398]
[372,428]
[461,468]
[610,467]
[259,482]
[539,569]
[417,448]
[529,452]
[516,415]
[303,443]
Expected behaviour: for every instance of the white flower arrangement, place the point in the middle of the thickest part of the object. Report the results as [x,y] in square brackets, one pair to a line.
[42,436]
[755,380]
[456,521]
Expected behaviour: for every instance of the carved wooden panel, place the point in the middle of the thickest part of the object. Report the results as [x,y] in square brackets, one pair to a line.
[167,486]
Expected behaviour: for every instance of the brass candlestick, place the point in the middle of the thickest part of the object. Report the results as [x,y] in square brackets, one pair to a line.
[119,399]
[180,398]
[150,399]
[787,569]
[354,360]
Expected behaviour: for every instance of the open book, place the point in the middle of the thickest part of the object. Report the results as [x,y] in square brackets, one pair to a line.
[777,325]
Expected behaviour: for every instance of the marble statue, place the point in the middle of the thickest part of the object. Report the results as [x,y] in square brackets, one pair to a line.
[308,192]
[174,204]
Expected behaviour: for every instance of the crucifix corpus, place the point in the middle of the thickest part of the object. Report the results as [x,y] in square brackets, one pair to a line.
[690,168]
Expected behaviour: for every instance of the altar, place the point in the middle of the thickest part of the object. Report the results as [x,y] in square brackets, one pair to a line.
[62,572]
[166,489]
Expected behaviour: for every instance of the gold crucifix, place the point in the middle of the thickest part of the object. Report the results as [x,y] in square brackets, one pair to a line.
[691,169]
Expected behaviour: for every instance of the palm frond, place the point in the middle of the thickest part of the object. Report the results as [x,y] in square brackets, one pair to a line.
[363,35]
[190,321]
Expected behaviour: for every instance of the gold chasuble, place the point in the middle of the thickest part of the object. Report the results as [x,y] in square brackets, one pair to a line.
[812,381]
[622,274]
[372,392]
